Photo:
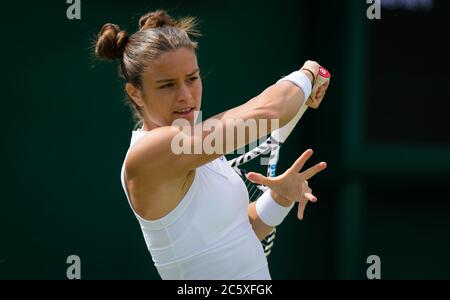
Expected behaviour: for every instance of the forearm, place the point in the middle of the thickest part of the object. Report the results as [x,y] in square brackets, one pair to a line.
[279,101]
[285,99]
[260,116]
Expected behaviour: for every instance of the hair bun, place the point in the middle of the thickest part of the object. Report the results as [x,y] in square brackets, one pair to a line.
[156,19]
[111,42]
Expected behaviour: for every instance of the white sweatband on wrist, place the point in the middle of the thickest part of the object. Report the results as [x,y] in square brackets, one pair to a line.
[269,211]
[301,80]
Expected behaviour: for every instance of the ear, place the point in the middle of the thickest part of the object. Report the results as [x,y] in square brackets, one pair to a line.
[135,94]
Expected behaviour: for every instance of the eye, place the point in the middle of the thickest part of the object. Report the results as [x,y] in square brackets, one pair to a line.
[165,86]
[193,78]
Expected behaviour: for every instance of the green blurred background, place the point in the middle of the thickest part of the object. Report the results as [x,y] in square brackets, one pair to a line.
[383,129]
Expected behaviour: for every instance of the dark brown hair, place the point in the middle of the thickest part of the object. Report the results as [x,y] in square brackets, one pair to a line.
[158,33]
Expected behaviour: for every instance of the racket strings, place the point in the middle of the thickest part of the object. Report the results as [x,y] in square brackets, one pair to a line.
[254,191]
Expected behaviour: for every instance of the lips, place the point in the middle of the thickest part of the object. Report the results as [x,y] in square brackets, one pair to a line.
[184,111]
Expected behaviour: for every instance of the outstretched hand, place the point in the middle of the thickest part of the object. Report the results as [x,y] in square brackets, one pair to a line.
[292,185]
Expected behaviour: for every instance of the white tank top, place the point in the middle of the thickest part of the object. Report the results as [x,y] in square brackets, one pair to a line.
[208,235]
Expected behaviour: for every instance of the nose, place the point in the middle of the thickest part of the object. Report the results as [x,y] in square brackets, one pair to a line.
[184,93]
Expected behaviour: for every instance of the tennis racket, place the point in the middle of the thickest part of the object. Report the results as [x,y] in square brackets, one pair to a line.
[271,148]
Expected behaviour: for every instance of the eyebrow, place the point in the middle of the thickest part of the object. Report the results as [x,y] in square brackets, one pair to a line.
[168,80]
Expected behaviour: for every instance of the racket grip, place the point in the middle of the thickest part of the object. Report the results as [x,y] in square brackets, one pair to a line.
[322,77]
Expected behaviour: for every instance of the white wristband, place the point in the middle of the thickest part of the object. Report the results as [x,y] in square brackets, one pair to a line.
[269,211]
[301,80]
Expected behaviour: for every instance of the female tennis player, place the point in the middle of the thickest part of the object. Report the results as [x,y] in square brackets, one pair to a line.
[193,209]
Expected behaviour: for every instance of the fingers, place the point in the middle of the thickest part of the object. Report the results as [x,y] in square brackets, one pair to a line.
[318,93]
[310,197]
[321,91]
[300,162]
[314,170]
[259,179]
[312,65]
[325,85]
[301,211]
[302,204]
[310,103]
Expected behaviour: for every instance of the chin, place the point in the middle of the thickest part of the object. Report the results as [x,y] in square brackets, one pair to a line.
[190,117]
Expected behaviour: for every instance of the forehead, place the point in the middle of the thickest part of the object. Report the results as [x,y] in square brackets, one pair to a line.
[172,64]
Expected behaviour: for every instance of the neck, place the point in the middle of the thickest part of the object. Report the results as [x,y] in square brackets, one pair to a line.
[148,126]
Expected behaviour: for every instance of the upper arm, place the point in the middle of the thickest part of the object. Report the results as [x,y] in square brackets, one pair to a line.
[153,154]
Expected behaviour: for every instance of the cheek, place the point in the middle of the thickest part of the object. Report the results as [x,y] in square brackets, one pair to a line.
[198,91]
[160,103]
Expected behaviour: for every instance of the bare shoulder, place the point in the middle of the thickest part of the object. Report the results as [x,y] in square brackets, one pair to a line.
[154,185]
[152,154]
